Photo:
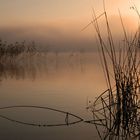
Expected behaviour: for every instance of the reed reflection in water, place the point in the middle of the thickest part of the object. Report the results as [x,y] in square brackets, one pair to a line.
[29,66]
[65,81]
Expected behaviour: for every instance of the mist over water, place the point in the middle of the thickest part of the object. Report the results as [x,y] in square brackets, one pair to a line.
[64,81]
[64,72]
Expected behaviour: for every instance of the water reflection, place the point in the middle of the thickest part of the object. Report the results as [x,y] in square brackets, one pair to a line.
[57,80]
[16,68]
[31,66]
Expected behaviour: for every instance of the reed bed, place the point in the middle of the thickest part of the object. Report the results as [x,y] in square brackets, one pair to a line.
[116,111]
[16,58]
[16,49]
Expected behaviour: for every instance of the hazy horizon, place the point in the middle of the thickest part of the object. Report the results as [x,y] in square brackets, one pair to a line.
[58,24]
[62,77]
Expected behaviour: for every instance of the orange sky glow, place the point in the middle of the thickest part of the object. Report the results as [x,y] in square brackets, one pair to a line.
[59,20]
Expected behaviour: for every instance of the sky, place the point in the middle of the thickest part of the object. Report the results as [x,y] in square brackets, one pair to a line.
[41,11]
[59,22]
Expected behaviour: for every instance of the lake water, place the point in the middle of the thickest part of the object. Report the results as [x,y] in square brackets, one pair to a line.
[63,81]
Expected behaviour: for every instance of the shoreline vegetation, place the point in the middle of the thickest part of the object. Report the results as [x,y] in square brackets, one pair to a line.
[115,112]
[13,57]
[16,48]
[23,60]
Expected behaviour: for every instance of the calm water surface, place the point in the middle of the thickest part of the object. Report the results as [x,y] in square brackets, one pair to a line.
[63,81]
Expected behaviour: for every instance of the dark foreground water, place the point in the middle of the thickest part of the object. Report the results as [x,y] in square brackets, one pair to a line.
[64,81]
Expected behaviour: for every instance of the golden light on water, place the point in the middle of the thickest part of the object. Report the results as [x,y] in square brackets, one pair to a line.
[58,65]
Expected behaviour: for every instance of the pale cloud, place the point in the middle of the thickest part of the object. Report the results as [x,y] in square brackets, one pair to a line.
[60,35]
[58,23]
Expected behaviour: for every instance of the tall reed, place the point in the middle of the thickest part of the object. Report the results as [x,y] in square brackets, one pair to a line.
[117,109]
